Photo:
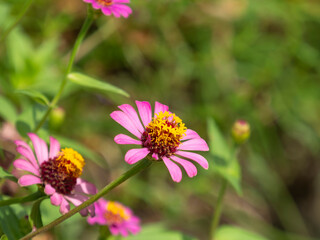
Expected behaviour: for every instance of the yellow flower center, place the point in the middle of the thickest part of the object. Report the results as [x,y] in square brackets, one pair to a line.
[163,134]
[72,161]
[105,2]
[115,213]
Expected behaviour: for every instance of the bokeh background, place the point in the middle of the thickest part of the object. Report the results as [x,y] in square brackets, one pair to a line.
[206,59]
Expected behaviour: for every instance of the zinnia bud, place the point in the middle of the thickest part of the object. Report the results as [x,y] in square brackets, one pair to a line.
[240,131]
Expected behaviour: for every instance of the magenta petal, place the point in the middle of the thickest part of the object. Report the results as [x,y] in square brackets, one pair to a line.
[134,155]
[83,186]
[49,190]
[194,145]
[190,134]
[191,169]
[26,165]
[132,114]
[64,206]
[145,112]
[27,180]
[121,118]
[173,168]
[159,107]
[195,157]
[40,147]
[54,147]
[56,199]
[124,139]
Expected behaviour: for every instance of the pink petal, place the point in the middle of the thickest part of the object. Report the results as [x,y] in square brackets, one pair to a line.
[132,114]
[83,186]
[123,231]
[195,157]
[26,165]
[115,12]
[191,169]
[54,147]
[134,155]
[95,5]
[77,200]
[124,10]
[124,139]
[114,229]
[194,145]
[106,11]
[159,107]
[27,180]
[145,112]
[56,199]
[40,147]
[121,118]
[49,190]
[121,1]
[27,153]
[190,134]
[64,206]
[173,168]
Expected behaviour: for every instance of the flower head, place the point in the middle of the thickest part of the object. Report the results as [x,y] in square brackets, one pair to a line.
[119,218]
[163,135]
[57,170]
[240,131]
[109,7]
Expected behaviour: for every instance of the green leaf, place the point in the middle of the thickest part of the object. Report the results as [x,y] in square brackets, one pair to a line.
[7,110]
[6,175]
[236,233]
[9,223]
[35,95]
[224,164]
[35,214]
[155,232]
[90,82]
[4,237]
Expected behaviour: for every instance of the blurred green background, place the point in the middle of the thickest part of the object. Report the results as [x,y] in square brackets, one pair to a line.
[220,59]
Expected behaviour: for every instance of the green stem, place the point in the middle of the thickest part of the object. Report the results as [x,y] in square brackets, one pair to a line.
[143,164]
[28,198]
[217,214]
[23,12]
[86,25]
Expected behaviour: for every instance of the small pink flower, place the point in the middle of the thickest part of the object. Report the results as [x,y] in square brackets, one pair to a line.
[163,136]
[119,218]
[115,7]
[57,170]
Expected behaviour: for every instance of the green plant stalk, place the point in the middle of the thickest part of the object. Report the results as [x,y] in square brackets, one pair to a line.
[143,164]
[217,214]
[85,27]
[22,13]
[28,198]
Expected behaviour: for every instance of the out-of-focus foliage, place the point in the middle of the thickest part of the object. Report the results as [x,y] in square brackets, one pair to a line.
[217,59]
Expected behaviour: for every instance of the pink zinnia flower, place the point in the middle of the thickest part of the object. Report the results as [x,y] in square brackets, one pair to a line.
[116,216]
[115,7]
[163,136]
[58,171]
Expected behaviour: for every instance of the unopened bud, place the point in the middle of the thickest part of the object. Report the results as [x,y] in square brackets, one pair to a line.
[240,131]
[56,119]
